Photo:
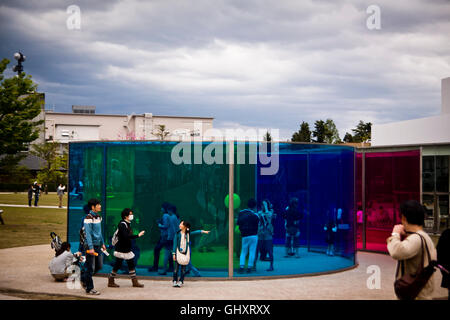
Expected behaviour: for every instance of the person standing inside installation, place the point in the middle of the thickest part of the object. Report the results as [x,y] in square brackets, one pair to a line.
[248,222]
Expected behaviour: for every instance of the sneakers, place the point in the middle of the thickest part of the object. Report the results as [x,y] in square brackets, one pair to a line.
[93,292]
[241,270]
[179,284]
[174,284]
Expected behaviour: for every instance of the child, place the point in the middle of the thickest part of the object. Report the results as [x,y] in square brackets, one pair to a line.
[182,244]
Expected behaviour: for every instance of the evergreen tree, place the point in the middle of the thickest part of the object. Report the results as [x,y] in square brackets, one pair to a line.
[320,131]
[303,135]
[267,137]
[348,138]
[19,105]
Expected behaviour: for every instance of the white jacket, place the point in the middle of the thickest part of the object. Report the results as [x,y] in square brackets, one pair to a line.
[59,264]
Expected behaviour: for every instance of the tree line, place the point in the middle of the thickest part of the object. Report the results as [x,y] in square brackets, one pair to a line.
[327,132]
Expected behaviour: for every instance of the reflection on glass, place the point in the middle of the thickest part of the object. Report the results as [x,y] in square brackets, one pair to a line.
[428,173]
[443,212]
[442,176]
[428,203]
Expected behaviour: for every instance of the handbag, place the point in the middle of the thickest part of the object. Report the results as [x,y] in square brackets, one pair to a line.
[183,258]
[408,286]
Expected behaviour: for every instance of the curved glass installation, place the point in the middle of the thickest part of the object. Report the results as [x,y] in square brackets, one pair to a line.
[196,177]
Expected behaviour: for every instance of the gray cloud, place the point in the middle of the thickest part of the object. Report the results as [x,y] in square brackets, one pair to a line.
[250,63]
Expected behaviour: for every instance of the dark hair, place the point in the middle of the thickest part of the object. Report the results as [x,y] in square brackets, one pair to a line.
[293,202]
[413,212]
[251,203]
[92,203]
[187,225]
[64,247]
[165,206]
[126,212]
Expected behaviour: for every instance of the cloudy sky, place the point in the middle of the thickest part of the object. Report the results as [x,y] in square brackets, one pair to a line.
[252,63]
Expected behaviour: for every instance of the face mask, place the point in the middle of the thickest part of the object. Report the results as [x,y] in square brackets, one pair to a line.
[130,217]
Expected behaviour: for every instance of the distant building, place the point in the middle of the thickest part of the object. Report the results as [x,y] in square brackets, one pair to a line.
[428,130]
[83,124]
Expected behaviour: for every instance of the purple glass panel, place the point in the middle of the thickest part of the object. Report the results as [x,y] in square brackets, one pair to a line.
[391,178]
[359,206]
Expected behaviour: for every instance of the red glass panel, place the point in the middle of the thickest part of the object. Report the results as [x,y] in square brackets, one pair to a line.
[391,178]
[359,206]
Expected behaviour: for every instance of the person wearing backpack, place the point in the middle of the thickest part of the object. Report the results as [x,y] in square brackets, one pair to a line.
[122,242]
[92,228]
[443,258]
[405,245]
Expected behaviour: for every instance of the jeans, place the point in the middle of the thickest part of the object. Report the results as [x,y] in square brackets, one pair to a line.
[175,272]
[167,254]
[268,248]
[168,244]
[93,265]
[292,237]
[248,247]
[36,199]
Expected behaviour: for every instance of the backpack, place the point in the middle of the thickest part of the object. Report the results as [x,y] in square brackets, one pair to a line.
[409,286]
[83,240]
[115,237]
[56,241]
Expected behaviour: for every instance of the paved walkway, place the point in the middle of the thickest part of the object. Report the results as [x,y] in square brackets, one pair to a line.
[26,268]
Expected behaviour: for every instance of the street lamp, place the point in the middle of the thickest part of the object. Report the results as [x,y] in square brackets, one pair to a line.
[20,58]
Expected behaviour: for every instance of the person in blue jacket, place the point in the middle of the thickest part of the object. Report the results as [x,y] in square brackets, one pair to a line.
[94,259]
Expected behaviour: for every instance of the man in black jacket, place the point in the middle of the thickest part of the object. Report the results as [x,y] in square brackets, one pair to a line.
[248,225]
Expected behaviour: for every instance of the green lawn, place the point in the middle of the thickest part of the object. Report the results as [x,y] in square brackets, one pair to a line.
[50,199]
[31,226]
